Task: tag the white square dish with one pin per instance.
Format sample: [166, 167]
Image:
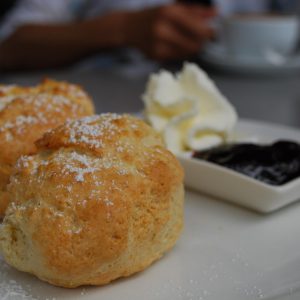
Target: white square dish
[240, 189]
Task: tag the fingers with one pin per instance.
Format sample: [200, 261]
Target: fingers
[170, 32]
[192, 20]
[167, 52]
[199, 11]
[166, 33]
[171, 44]
[177, 35]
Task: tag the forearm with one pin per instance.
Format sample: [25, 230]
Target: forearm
[163, 33]
[42, 46]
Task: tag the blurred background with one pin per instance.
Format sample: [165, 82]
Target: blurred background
[5, 6]
[248, 47]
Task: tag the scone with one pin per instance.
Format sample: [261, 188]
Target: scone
[26, 113]
[101, 199]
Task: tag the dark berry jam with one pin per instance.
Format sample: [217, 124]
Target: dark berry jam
[273, 164]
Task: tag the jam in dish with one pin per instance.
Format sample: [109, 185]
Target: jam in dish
[274, 164]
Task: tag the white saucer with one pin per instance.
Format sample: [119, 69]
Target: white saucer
[216, 55]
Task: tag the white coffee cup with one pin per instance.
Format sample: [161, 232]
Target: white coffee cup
[255, 35]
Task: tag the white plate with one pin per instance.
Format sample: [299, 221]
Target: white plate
[217, 56]
[224, 253]
[243, 190]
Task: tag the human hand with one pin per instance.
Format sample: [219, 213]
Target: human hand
[175, 31]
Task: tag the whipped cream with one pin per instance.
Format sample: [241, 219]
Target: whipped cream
[188, 110]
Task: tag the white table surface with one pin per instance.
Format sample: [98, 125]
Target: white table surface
[274, 99]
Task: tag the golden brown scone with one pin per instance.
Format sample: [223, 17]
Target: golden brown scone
[26, 113]
[101, 199]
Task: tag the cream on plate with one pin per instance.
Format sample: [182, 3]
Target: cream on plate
[188, 110]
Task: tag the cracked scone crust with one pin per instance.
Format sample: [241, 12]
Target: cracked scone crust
[101, 199]
[26, 113]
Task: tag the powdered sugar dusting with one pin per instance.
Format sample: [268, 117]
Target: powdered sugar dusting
[108, 202]
[22, 121]
[19, 123]
[7, 88]
[42, 102]
[90, 130]
[5, 100]
[23, 162]
[75, 91]
[79, 164]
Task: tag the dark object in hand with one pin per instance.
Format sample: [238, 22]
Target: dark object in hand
[207, 3]
[273, 164]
